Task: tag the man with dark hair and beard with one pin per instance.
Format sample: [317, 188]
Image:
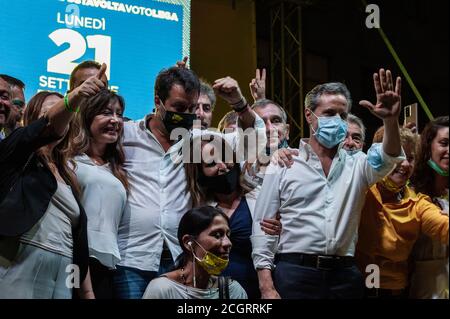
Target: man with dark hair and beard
[159, 196]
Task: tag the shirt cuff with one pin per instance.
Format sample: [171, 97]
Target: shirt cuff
[264, 249]
[379, 160]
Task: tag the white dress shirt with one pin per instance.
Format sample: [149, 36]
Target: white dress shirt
[158, 196]
[320, 214]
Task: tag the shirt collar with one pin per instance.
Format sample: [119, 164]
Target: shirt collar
[306, 151]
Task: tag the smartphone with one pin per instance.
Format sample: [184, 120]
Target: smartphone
[411, 115]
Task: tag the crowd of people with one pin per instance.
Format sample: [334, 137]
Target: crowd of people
[167, 207]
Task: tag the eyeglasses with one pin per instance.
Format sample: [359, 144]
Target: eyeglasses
[18, 103]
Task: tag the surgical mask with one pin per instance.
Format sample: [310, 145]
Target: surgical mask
[390, 185]
[353, 151]
[436, 168]
[283, 144]
[213, 264]
[331, 131]
[173, 120]
[223, 184]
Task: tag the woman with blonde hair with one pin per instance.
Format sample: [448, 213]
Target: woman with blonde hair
[392, 219]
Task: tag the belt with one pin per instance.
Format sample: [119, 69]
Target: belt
[317, 261]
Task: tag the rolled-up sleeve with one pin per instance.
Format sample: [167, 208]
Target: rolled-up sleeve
[267, 205]
[378, 164]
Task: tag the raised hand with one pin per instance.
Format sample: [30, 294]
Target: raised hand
[388, 103]
[92, 85]
[182, 64]
[258, 85]
[228, 89]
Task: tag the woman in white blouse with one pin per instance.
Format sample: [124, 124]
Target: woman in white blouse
[98, 159]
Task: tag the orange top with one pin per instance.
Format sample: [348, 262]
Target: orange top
[388, 232]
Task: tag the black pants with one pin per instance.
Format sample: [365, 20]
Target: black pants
[294, 281]
[102, 279]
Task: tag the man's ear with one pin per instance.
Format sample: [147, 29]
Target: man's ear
[308, 115]
[157, 100]
[288, 127]
[158, 103]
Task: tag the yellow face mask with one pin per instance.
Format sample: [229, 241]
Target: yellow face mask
[390, 185]
[213, 264]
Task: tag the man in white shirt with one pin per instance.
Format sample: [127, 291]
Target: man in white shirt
[320, 198]
[158, 197]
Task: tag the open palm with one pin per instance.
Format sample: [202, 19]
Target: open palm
[388, 103]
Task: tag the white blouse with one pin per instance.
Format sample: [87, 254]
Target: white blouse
[103, 198]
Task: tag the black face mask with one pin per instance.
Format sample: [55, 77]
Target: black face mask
[173, 120]
[223, 184]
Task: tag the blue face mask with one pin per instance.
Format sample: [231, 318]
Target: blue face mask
[331, 131]
[353, 152]
[283, 144]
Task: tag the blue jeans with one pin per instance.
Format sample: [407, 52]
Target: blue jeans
[293, 281]
[130, 283]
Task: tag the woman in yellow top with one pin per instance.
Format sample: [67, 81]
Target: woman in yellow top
[392, 220]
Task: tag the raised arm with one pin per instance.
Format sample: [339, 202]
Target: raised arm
[258, 85]
[62, 112]
[228, 89]
[387, 108]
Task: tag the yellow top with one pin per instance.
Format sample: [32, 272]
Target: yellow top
[388, 231]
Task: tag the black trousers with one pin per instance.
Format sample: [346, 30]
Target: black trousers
[293, 281]
[102, 279]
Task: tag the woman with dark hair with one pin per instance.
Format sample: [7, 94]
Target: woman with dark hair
[203, 234]
[216, 181]
[98, 154]
[430, 269]
[43, 242]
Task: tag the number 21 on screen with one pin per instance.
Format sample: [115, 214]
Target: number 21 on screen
[63, 61]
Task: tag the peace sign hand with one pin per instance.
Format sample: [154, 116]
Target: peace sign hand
[258, 85]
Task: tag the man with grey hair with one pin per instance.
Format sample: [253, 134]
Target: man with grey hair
[17, 101]
[356, 135]
[205, 105]
[275, 119]
[320, 198]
